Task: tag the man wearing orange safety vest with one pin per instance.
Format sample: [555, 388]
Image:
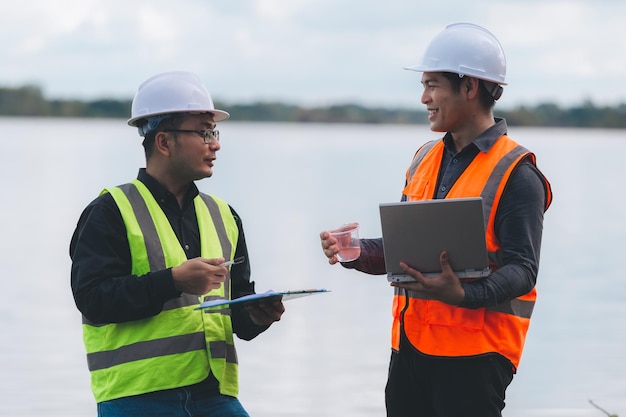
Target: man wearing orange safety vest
[457, 344]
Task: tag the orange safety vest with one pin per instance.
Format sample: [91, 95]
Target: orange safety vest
[439, 329]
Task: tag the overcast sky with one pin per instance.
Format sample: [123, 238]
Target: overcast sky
[308, 52]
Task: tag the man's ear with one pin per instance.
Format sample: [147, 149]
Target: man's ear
[162, 143]
[472, 86]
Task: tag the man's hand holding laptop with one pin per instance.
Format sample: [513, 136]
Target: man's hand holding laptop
[445, 287]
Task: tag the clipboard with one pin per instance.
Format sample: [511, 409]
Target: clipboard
[286, 295]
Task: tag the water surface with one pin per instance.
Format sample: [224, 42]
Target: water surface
[329, 354]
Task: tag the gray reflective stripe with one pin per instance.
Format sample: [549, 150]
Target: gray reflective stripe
[185, 300]
[222, 350]
[156, 257]
[419, 157]
[490, 189]
[218, 222]
[515, 307]
[154, 249]
[224, 310]
[212, 298]
[146, 350]
[495, 178]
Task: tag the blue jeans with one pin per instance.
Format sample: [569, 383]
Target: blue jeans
[180, 402]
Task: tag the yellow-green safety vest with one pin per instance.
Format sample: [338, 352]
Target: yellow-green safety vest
[180, 345]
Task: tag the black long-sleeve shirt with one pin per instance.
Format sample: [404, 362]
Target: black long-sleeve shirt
[104, 289]
[518, 225]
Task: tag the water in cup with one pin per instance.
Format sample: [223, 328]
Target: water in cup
[347, 241]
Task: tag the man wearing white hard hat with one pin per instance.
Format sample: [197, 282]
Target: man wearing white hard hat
[457, 344]
[147, 253]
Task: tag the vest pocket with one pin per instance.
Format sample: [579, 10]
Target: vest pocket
[416, 189]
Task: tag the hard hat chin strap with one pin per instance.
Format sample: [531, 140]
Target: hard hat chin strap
[494, 89]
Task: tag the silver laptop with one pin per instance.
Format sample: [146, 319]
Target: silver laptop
[417, 232]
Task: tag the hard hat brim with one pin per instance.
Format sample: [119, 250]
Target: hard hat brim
[218, 115]
[423, 68]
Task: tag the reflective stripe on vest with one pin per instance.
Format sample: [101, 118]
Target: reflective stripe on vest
[178, 346]
[436, 328]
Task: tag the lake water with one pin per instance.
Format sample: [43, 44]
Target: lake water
[329, 354]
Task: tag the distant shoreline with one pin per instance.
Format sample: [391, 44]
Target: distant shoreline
[29, 101]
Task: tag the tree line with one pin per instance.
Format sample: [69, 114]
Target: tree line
[30, 101]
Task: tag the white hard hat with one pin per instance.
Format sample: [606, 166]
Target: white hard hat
[173, 92]
[465, 49]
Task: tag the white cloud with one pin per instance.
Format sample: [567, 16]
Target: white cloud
[158, 32]
[306, 51]
[278, 11]
[36, 26]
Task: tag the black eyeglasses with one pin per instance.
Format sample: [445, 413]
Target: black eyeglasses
[208, 135]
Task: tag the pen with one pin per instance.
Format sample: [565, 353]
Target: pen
[233, 261]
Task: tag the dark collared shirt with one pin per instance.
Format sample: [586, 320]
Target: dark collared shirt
[518, 225]
[104, 289]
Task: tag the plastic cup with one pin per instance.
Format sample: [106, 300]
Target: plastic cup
[348, 242]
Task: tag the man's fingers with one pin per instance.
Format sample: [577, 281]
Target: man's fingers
[210, 261]
[266, 312]
[408, 269]
[445, 262]
[417, 275]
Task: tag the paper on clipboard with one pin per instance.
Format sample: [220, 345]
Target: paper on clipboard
[286, 295]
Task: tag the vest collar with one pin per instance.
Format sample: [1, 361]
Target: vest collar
[161, 193]
[485, 140]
